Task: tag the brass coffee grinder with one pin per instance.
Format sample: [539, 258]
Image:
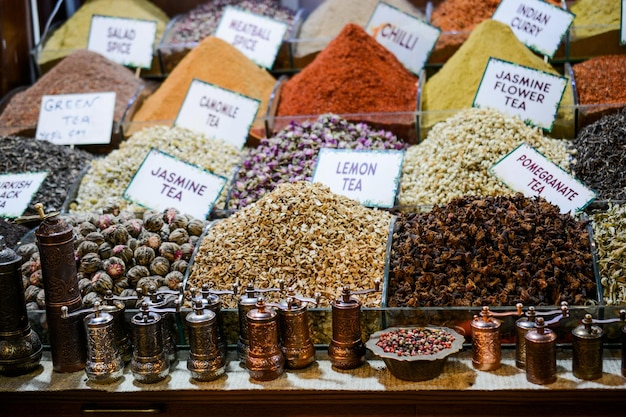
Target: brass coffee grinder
[265, 360]
[526, 324]
[295, 338]
[587, 346]
[206, 360]
[211, 300]
[20, 347]
[486, 344]
[104, 363]
[541, 352]
[346, 349]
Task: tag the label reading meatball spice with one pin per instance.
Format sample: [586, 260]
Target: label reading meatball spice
[534, 96]
[217, 112]
[527, 171]
[369, 177]
[410, 39]
[164, 181]
[17, 190]
[537, 24]
[128, 42]
[258, 37]
[76, 119]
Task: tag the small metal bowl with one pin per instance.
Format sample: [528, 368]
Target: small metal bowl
[419, 367]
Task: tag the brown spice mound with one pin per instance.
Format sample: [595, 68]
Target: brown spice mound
[353, 74]
[490, 251]
[81, 72]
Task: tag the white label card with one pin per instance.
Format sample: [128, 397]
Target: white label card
[622, 20]
[370, 177]
[539, 25]
[76, 119]
[410, 39]
[128, 42]
[534, 96]
[258, 37]
[163, 181]
[527, 171]
[217, 112]
[17, 190]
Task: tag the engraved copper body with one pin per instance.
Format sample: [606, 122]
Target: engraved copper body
[587, 347]
[486, 344]
[295, 338]
[149, 363]
[20, 347]
[206, 361]
[265, 360]
[55, 240]
[115, 306]
[213, 302]
[528, 323]
[104, 364]
[346, 349]
[541, 354]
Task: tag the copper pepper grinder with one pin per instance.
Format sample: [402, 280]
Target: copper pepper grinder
[206, 361]
[265, 360]
[346, 349]
[104, 363]
[587, 347]
[165, 299]
[213, 302]
[246, 303]
[115, 306]
[541, 352]
[526, 324]
[486, 344]
[20, 347]
[55, 240]
[293, 323]
[150, 362]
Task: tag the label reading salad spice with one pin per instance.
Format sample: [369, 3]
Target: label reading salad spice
[128, 42]
[410, 39]
[258, 37]
[370, 177]
[164, 181]
[539, 25]
[17, 190]
[527, 171]
[217, 112]
[76, 119]
[532, 95]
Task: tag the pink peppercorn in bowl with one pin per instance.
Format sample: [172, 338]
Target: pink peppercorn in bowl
[415, 353]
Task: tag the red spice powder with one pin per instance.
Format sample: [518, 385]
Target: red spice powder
[353, 74]
[601, 80]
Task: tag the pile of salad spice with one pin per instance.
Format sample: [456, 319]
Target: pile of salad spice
[600, 156]
[457, 19]
[216, 62]
[353, 74]
[104, 184]
[12, 232]
[609, 234]
[302, 233]
[80, 72]
[600, 80]
[328, 19]
[454, 86]
[454, 160]
[291, 154]
[63, 164]
[495, 251]
[74, 33]
[594, 17]
[186, 30]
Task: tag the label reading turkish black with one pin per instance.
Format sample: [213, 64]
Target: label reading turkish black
[17, 190]
[163, 181]
[532, 95]
[128, 42]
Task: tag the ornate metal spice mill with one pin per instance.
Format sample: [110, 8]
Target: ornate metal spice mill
[541, 352]
[295, 338]
[265, 360]
[486, 345]
[346, 349]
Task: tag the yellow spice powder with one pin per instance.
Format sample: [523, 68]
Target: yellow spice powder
[74, 33]
[216, 62]
[594, 17]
